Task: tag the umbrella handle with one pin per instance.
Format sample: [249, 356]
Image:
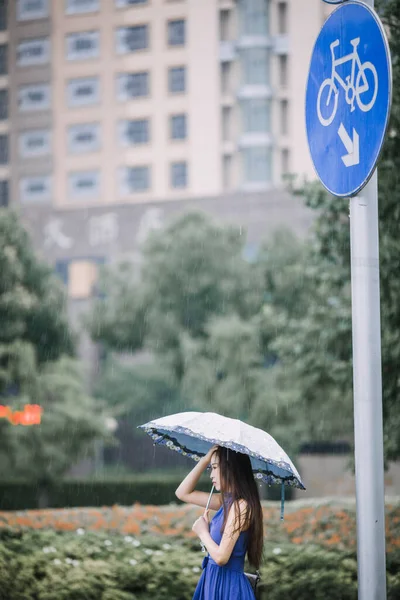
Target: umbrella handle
[209, 498]
[203, 548]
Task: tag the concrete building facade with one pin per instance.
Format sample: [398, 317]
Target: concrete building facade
[123, 107]
[115, 101]
[4, 104]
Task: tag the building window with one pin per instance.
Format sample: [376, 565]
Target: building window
[79, 7]
[133, 132]
[34, 97]
[257, 164]
[83, 138]
[3, 105]
[256, 115]
[282, 18]
[177, 80]
[3, 15]
[36, 142]
[253, 17]
[28, 10]
[225, 21]
[285, 162]
[178, 127]
[84, 185]
[255, 66]
[227, 172]
[82, 277]
[132, 85]
[131, 39]
[176, 32]
[33, 52]
[84, 91]
[3, 59]
[226, 78]
[135, 180]
[4, 193]
[283, 70]
[35, 189]
[123, 3]
[284, 117]
[83, 45]
[226, 123]
[3, 149]
[179, 174]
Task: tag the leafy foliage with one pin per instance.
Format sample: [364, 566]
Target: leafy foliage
[37, 365]
[48, 566]
[315, 347]
[270, 341]
[71, 420]
[193, 271]
[389, 248]
[138, 391]
[200, 297]
[32, 305]
[316, 350]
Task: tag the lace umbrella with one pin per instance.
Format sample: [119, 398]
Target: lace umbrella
[193, 433]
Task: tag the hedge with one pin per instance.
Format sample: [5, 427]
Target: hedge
[145, 489]
[49, 565]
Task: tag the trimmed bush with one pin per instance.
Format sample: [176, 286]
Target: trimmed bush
[305, 572]
[17, 495]
[49, 565]
[145, 489]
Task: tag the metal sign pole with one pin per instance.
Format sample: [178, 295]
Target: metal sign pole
[367, 384]
[348, 100]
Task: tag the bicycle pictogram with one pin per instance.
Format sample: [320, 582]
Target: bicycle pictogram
[355, 85]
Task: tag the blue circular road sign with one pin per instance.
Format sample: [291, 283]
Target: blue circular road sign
[348, 98]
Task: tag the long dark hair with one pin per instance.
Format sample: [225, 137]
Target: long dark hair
[237, 479]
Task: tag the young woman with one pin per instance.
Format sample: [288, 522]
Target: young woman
[235, 529]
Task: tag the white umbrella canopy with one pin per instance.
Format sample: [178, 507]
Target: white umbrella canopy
[193, 433]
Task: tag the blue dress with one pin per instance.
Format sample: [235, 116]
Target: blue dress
[227, 582]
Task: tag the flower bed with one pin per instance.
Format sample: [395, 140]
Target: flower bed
[331, 525]
[99, 565]
[150, 553]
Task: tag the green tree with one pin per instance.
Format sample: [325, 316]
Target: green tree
[32, 304]
[389, 248]
[37, 366]
[191, 271]
[141, 392]
[118, 319]
[136, 393]
[224, 371]
[71, 421]
[316, 350]
[314, 343]
[202, 319]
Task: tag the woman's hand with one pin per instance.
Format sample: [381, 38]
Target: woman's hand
[209, 454]
[201, 525]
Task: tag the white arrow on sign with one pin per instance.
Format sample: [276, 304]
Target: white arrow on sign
[352, 146]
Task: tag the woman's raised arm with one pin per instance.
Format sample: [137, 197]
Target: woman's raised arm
[186, 490]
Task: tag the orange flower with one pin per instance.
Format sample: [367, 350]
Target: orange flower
[297, 540]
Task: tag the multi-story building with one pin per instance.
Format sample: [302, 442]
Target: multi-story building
[116, 113]
[4, 113]
[116, 101]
